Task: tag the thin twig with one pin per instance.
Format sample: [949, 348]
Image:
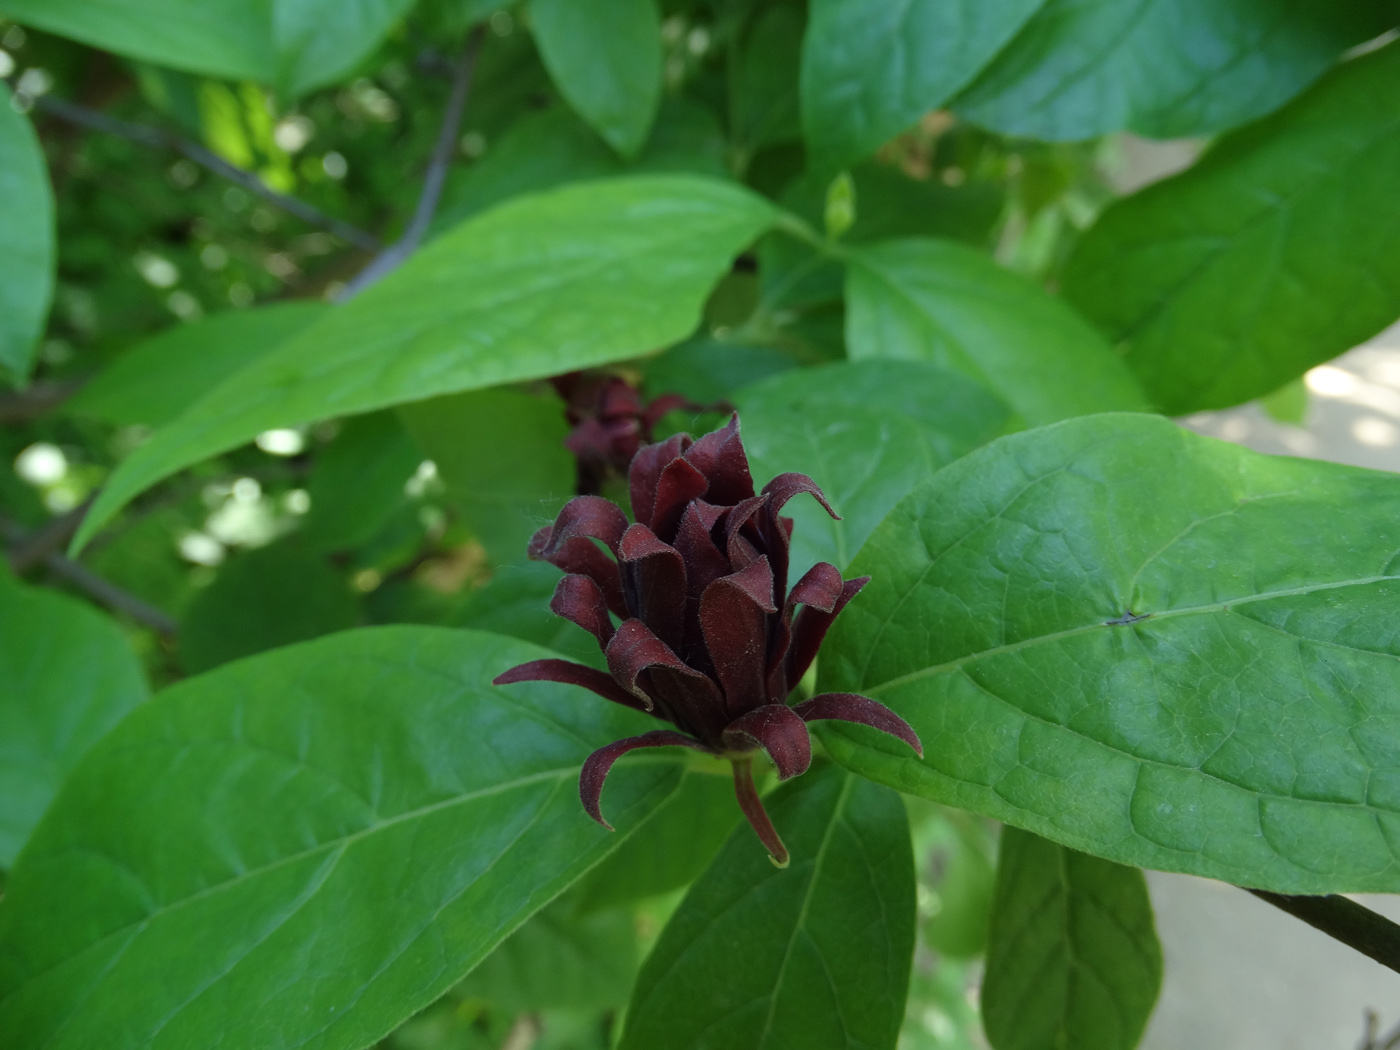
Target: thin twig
[27, 552]
[104, 590]
[156, 138]
[27, 405]
[1342, 919]
[392, 257]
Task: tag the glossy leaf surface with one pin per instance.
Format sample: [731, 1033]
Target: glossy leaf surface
[1165, 69]
[605, 58]
[156, 380]
[540, 285]
[319, 40]
[929, 300]
[1273, 254]
[869, 72]
[67, 676]
[1144, 644]
[27, 248]
[336, 831]
[1072, 957]
[867, 432]
[815, 955]
[357, 484]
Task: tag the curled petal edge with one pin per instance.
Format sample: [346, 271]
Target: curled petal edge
[597, 766]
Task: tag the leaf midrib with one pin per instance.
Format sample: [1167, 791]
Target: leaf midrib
[1056, 636]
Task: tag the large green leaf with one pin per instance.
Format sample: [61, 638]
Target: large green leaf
[868, 72]
[930, 300]
[1164, 68]
[223, 38]
[764, 103]
[1072, 957]
[357, 484]
[156, 380]
[1274, 253]
[67, 675]
[275, 596]
[867, 432]
[502, 455]
[547, 149]
[669, 850]
[583, 275]
[815, 955]
[26, 240]
[1147, 645]
[605, 58]
[319, 40]
[304, 848]
[297, 44]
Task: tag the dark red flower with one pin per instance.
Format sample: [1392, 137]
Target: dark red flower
[710, 638]
[610, 423]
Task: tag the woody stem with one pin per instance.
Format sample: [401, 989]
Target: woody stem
[752, 806]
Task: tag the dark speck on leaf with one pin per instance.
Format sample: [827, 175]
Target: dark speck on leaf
[1127, 617]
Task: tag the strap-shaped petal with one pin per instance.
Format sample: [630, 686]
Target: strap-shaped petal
[820, 588]
[810, 627]
[852, 707]
[658, 407]
[780, 731]
[679, 485]
[720, 456]
[644, 474]
[597, 765]
[634, 649]
[785, 486]
[654, 583]
[579, 599]
[757, 816]
[584, 557]
[570, 673]
[740, 549]
[704, 563]
[590, 517]
[735, 615]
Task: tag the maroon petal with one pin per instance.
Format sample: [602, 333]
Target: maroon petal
[719, 455]
[679, 485]
[589, 440]
[735, 616]
[653, 581]
[645, 473]
[704, 563]
[851, 707]
[780, 731]
[740, 548]
[586, 558]
[785, 486]
[810, 627]
[660, 406]
[635, 649]
[570, 673]
[820, 588]
[590, 517]
[580, 599]
[597, 766]
[617, 398]
[753, 809]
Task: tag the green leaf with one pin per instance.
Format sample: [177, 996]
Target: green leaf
[765, 81]
[516, 602]
[1273, 254]
[1073, 958]
[560, 960]
[1165, 69]
[274, 596]
[1144, 644]
[815, 955]
[156, 380]
[27, 249]
[67, 675]
[357, 482]
[221, 38]
[544, 284]
[502, 455]
[669, 850]
[922, 299]
[870, 72]
[605, 58]
[544, 150]
[307, 847]
[867, 432]
[707, 370]
[318, 41]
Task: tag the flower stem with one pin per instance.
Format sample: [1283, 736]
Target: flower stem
[752, 806]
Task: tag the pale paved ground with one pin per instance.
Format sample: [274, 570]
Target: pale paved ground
[1240, 974]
